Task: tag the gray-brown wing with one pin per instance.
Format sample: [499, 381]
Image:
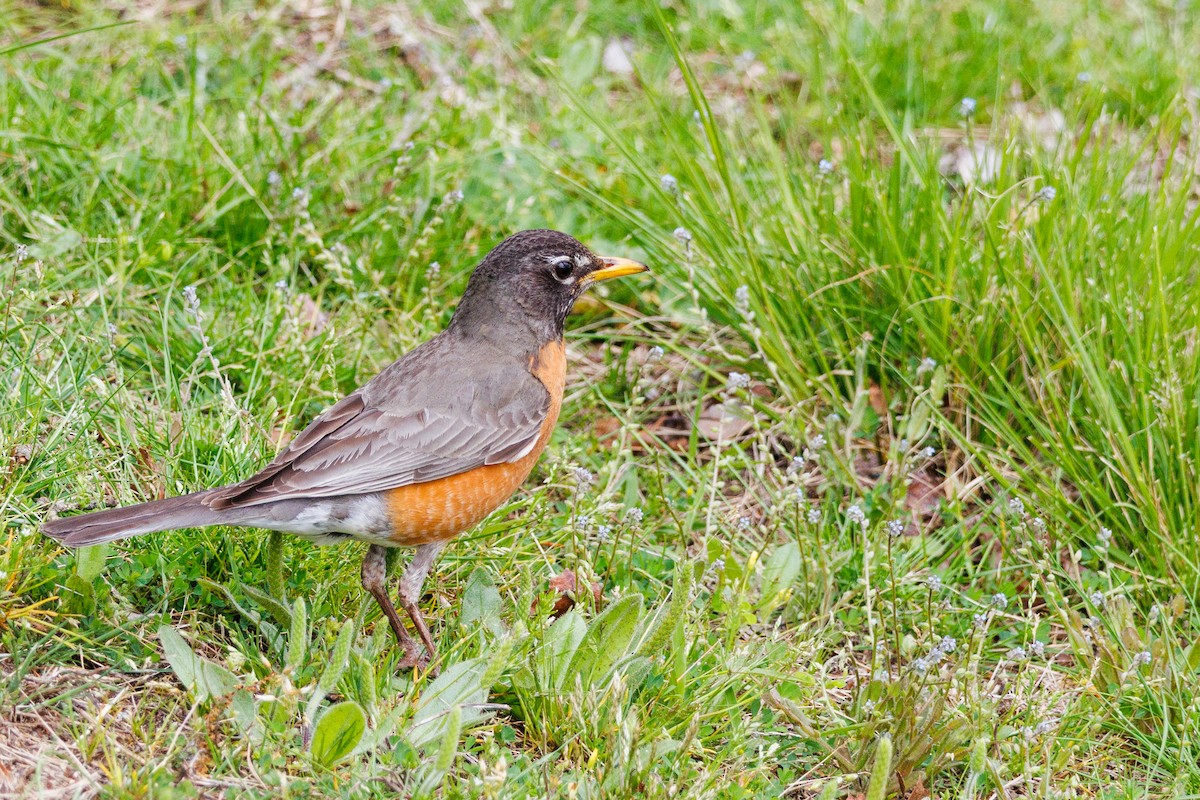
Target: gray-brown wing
[428, 416]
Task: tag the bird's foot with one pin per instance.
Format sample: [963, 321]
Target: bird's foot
[416, 657]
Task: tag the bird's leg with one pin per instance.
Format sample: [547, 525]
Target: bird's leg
[411, 583]
[374, 580]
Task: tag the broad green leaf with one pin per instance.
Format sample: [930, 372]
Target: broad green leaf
[84, 600]
[338, 732]
[554, 654]
[606, 641]
[581, 60]
[458, 685]
[481, 604]
[780, 571]
[245, 715]
[89, 561]
[203, 678]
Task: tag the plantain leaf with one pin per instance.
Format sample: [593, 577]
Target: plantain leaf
[481, 604]
[780, 571]
[606, 642]
[459, 686]
[203, 678]
[551, 659]
[338, 732]
[89, 561]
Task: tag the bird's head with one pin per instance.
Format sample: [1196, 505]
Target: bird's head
[534, 277]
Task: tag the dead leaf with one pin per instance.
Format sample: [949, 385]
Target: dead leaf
[725, 421]
[310, 316]
[878, 403]
[924, 492]
[564, 583]
[605, 427]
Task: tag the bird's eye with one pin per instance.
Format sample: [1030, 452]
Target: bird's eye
[563, 267]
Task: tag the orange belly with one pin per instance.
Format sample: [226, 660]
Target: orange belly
[437, 510]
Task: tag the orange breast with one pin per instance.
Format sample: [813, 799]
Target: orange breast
[441, 509]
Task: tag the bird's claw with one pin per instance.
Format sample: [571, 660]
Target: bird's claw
[416, 657]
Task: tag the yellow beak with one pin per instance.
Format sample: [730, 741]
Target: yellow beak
[616, 267]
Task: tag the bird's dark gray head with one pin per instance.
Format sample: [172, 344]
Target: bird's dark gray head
[528, 283]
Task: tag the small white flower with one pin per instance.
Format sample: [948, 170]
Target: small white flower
[736, 381]
[180, 41]
[22, 252]
[1016, 654]
[948, 644]
[1000, 600]
[1047, 193]
[281, 285]
[635, 516]
[856, 515]
[745, 523]
[1042, 728]
[669, 184]
[934, 583]
[1016, 507]
[583, 522]
[273, 178]
[655, 353]
[718, 565]
[191, 301]
[928, 452]
[824, 167]
[921, 665]
[682, 235]
[979, 621]
[432, 271]
[967, 107]
[741, 299]
[1097, 599]
[1141, 659]
[1038, 647]
[454, 196]
[1084, 77]
[813, 515]
[603, 532]
[868, 707]
[882, 675]
[1039, 524]
[1105, 536]
[894, 527]
[816, 442]
[583, 478]
[926, 365]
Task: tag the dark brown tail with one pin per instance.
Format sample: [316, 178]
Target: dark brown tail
[188, 511]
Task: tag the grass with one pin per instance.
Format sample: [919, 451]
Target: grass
[940, 540]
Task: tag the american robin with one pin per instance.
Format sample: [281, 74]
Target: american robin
[427, 448]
